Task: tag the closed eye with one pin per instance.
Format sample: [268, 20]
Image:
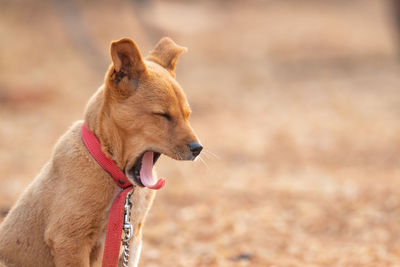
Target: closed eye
[165, 115]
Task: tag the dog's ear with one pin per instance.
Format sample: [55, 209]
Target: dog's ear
[127, 59]
[166, 54]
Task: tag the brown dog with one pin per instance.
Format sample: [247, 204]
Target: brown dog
[141, 110]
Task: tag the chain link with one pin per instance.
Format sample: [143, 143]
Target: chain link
[128, 229]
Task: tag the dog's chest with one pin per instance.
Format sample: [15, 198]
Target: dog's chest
[142, 199]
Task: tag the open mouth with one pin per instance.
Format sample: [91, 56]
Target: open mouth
[142, 171]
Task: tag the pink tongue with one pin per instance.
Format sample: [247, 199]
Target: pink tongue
[146, 172]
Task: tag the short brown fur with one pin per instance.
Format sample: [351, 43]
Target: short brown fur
[60, 219]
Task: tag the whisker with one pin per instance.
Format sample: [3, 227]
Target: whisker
[208, 152]
[207, 156]
[204, 162]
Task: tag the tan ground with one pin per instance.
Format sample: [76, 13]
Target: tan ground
[296, 102]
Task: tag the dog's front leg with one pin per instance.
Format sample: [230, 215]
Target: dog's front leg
[135, 252]
[135, 248]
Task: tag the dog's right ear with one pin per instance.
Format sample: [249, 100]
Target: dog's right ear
[127, 59]
[166, 54]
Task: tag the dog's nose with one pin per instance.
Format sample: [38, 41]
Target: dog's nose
[195, 148]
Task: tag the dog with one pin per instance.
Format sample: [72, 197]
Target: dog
[140, 112]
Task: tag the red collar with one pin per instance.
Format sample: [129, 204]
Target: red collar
[115, 217]
[94, 147]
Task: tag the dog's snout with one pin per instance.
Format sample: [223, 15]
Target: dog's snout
[195, 148]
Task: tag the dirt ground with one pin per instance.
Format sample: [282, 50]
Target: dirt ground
[296, 102]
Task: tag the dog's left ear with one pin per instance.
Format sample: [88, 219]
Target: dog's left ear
[166, 54]
[127, 59]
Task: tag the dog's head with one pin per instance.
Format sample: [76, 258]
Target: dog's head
[147, 107]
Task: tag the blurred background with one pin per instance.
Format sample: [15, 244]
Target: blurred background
[296, 102]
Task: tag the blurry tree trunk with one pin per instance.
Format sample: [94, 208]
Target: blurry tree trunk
[396, 18]
[141, 9]
[79, 35]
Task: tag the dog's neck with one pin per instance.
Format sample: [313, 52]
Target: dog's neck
[98, 120]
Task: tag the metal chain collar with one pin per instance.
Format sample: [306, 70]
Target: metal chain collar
[128, 229]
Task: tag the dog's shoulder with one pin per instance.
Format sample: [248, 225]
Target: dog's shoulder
[70, 145]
